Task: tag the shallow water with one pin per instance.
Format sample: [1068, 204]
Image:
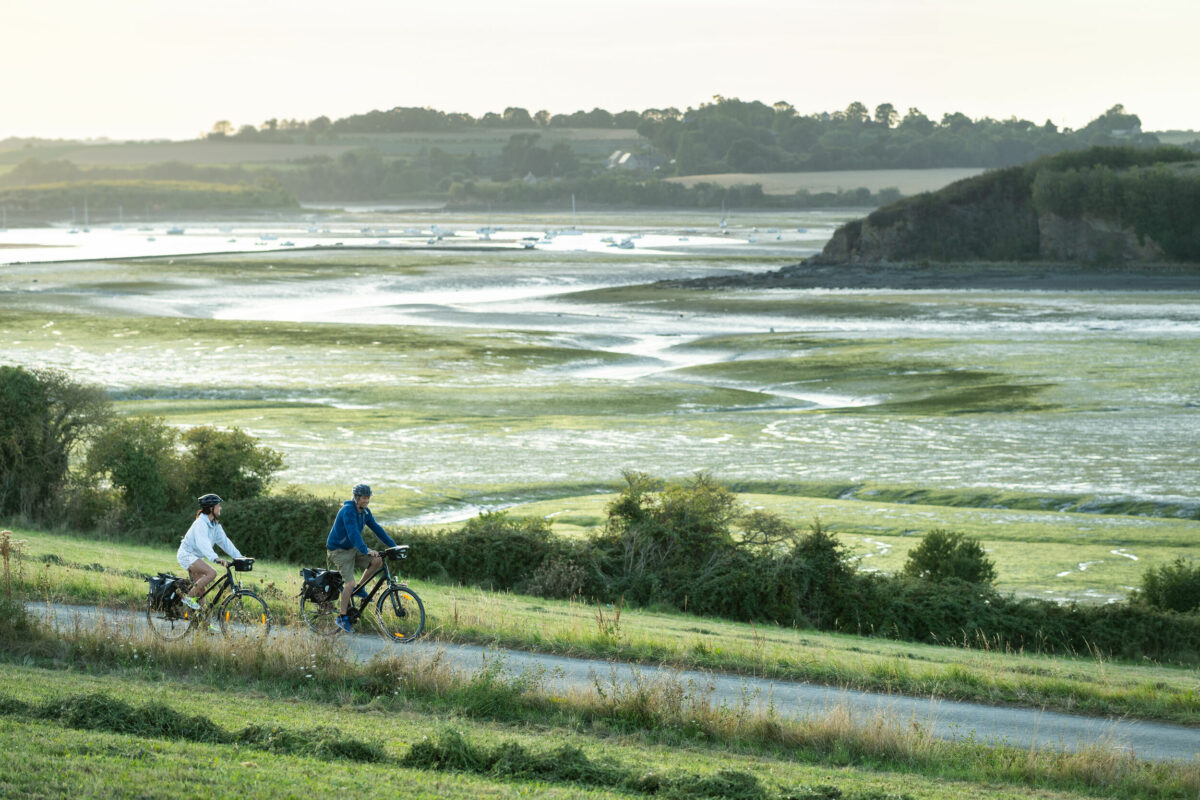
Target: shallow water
[527, 379]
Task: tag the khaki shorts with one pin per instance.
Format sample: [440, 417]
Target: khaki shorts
[345, 562]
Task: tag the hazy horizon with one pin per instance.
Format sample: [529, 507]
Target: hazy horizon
[139, 69]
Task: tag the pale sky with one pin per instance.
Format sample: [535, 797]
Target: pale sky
[169, 69]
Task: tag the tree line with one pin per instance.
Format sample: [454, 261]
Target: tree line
[727, 135]
[732, 135]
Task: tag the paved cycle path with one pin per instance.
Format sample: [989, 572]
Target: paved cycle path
[946, 719]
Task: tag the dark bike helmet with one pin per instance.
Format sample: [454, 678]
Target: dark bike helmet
[208, 501]
[362, 490]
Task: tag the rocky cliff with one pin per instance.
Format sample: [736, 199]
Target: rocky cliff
[1105, 205]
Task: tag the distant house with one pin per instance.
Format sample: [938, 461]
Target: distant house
[625, 160]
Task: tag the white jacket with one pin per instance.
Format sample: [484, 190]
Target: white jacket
[200, 540]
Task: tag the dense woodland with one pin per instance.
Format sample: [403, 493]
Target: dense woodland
[524, 164]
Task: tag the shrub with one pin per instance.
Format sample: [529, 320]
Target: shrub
[661, 539]
[138, 456]
[561, 576]
[944, 555]
[229, 463]
[44, 414]
[290, 526]
[492, 550]
[157, 471]
[1173, 587]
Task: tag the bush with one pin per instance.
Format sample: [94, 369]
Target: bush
[1173, 587]
[944, 555]
[157, 470]
[138, 456]
[44, 414]
[291, 526]
[229, 463]
[492, 550]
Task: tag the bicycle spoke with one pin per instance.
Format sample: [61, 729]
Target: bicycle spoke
[244, 615]
[174, 622]
[321, 616]
[398, 615]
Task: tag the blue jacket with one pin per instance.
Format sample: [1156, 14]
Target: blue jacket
[348, 526]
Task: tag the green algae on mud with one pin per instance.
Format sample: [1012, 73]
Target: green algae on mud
[455, 401]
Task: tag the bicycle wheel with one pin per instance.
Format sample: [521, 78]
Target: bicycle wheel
[245, 615]
[398, 615]
[173, 623]
[321, 617]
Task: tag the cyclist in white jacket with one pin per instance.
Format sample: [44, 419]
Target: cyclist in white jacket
[198, 543]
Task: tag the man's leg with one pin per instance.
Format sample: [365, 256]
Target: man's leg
[371, 569]
[343, 562]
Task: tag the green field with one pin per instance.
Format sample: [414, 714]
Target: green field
[587, 142]
[908, 181]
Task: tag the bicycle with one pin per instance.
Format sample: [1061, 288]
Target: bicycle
[398, 615]
[242, 614]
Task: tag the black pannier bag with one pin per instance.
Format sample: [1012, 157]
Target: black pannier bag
[162, 591]
[321, 585]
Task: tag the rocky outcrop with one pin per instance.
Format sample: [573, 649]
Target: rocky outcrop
[1092, 240]
[1105, 206]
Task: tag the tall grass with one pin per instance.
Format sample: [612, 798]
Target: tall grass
[110, 574]
[666, 710]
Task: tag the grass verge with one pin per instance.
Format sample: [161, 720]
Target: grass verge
[110, 574]
[506, 731]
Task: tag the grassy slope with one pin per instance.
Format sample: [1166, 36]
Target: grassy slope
[107, 572]
[46, 758]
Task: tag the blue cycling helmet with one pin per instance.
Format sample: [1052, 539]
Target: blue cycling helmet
[362, 490]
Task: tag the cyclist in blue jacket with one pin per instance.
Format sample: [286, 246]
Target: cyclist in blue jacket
[346, 550]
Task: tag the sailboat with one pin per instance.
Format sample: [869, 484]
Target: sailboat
[571, 231]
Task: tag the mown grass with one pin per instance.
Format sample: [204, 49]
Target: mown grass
[254, 717]
[58, 568]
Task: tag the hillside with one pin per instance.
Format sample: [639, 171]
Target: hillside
[1103, 205]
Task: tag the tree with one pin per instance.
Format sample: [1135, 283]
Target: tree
[956, 121]
[138, 457]
[856, 112]
[886, 115]
[517, 118]
[44, 415]
[916, 122]
[784, 109]
[221, 128]
[945, 555]
[229, 463]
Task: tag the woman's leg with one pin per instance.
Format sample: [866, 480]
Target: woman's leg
[202, 575]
